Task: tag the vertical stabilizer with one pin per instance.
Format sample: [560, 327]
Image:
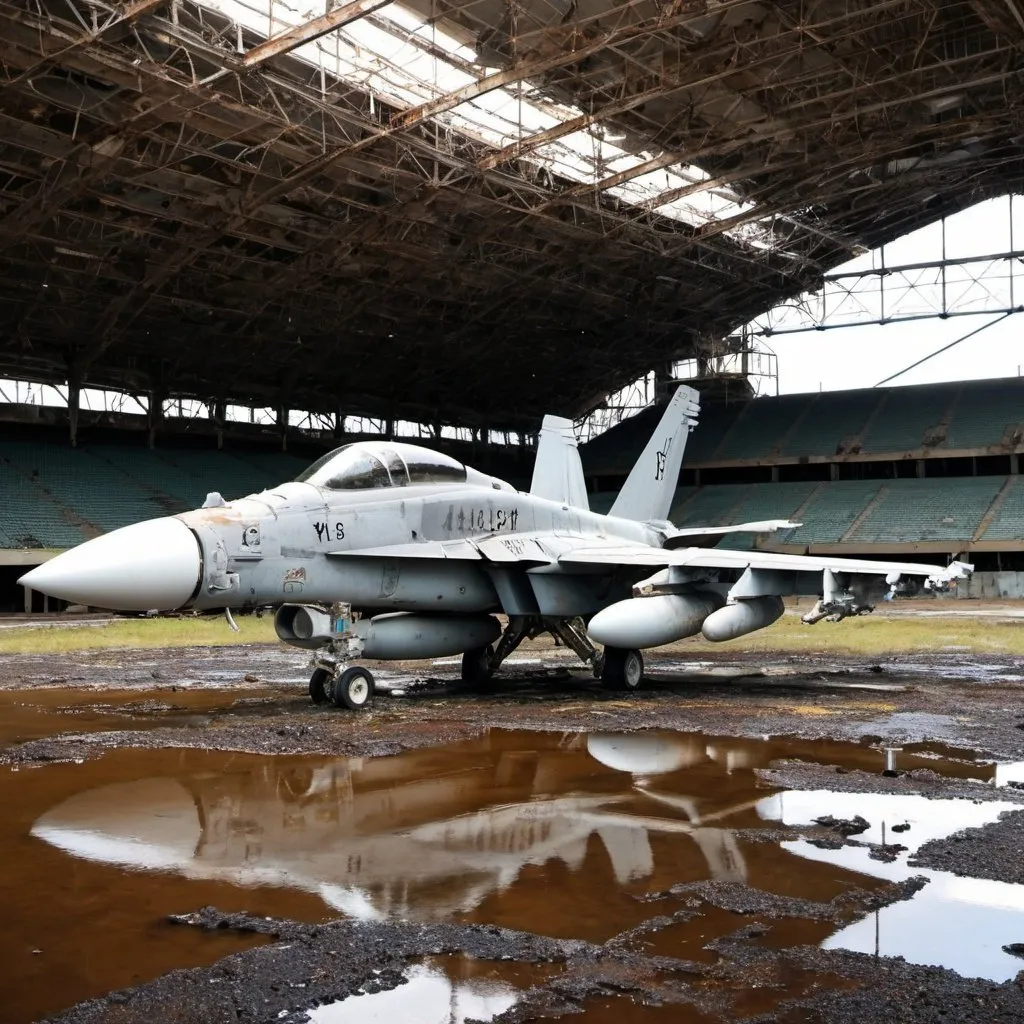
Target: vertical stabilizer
[648, 491]
[557, 471]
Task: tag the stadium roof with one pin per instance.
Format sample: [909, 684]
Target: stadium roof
[465, 211]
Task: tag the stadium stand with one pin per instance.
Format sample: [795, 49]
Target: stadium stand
[869, 471]
[914, 511]
[715, 422]
[929, 470]
[758, 428]
[707, 506]
[1005, 520]
[829, 512]
[933, 420]
[985, 415]
[829, 424]
[29, 518]
[764, 501]
[910, 418]
[86, 492]
[273, 467]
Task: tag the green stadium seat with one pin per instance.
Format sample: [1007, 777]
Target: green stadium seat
[906, 417]
[1008, 521]
[984, 411]
[928, 510]
[759, 428]
[832, 419]
[831, 511]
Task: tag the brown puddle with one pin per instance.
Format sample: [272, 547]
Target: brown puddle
[552, 833]
[53, 711]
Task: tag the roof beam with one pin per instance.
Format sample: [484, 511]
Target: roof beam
[128, 13]
[1015, 11]
[574, 124]
[310, 30]
[647, 167]
[675, 194]
[531, 68]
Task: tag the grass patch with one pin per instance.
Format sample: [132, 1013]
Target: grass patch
[879, 635]
[868, 636]
[136, 633]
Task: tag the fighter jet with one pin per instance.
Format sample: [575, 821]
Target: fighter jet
[386, 550]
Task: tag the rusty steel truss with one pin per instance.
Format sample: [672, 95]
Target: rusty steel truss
[472, 211]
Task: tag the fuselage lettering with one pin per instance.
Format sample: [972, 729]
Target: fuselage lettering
[328, 532]
[489, 520]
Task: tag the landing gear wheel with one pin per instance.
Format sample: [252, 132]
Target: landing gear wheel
[478, 666]
[353, 689]
[318, 686]
[622, 669]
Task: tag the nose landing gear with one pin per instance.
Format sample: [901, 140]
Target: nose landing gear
[349, 687]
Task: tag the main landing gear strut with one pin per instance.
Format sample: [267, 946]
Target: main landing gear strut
[337, 681]
[617, 668]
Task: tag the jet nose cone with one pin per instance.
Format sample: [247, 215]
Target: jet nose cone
[155, 564]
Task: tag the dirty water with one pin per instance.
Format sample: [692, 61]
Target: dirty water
[567, 834]
[55, 711]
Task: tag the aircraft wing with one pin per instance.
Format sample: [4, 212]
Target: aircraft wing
[718, 558]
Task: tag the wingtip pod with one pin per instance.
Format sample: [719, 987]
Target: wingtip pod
[953, 572]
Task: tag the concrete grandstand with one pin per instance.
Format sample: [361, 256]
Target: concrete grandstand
[930, 469]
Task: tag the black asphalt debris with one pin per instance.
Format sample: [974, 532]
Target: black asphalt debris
[993, 851]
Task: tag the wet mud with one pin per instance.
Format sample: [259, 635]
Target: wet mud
[993, 851]
[786, 841]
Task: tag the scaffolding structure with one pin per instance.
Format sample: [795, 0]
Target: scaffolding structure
[884, 288]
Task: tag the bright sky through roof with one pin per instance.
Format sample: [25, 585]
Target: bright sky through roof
[387, 55]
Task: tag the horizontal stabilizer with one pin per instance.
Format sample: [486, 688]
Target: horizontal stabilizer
[557, 470]
[707, 536]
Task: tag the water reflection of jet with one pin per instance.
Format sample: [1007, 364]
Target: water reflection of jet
[423, 834]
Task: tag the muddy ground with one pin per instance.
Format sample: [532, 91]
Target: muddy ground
[687, 943]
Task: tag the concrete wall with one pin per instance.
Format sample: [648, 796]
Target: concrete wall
[991, 585]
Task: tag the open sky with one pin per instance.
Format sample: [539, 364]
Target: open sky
[856, 357]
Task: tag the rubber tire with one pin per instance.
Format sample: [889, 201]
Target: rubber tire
[354, 688]
[622, 669]
[478, 666]
[318, 681]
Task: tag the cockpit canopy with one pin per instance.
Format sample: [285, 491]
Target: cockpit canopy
[366, 465]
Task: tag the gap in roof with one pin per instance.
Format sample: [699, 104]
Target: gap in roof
[395, 66]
